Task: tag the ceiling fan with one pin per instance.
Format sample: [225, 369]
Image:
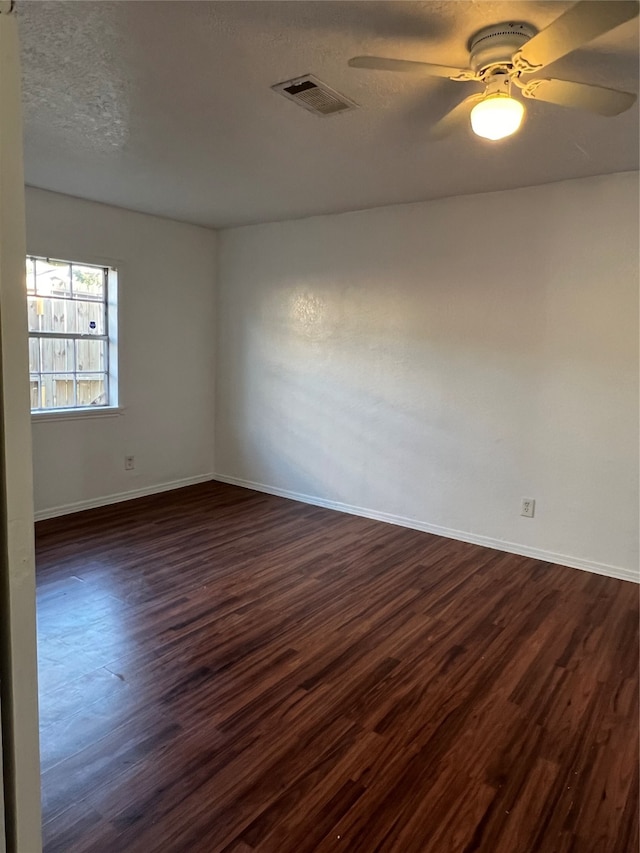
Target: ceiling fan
[505, 55]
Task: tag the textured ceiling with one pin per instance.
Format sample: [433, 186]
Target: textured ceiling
[165, 107]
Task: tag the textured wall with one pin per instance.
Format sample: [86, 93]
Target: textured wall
[166, 274]
[440, 361]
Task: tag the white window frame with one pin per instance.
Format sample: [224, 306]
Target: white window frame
[113, 408]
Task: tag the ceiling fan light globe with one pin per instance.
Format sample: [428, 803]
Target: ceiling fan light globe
[496, 117]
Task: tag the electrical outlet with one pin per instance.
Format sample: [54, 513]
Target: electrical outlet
[129, 463]
[528, 507]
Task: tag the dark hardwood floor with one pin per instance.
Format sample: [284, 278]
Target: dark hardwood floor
[223, 670]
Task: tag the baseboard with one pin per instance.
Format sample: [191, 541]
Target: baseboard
[106, 500]
[447, 532]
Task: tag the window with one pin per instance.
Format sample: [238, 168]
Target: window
[71, 308]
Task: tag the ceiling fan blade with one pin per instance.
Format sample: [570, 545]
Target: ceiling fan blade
[581, 96]
[456, 118]
[427, 69]
[582, 23]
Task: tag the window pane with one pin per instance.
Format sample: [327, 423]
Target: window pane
[35, 392]
[90, 317]
[88, 282]
[56, 355]
[51, 315]
[31, 268]
[32, 313]
[91, 390]
[57, 391]
[34, 355]
[53, 278]
[59, 316]
[90, 355]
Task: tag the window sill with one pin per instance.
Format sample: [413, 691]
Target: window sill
[77, 414]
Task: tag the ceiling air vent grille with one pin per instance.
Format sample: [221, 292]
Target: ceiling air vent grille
[314, 96]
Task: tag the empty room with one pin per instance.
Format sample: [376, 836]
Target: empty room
[319, 362]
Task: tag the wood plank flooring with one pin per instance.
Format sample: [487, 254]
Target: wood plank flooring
[224, 671]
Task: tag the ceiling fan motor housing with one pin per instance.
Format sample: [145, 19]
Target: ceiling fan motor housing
[495, 46]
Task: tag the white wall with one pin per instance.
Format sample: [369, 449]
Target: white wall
[166, 342]
[437, 362]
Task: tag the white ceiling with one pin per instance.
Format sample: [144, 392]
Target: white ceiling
[166, 107]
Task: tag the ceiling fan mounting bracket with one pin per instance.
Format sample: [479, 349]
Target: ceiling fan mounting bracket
[493, 47]
[497, 83]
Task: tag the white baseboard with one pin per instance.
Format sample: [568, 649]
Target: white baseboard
[447, 532]
[93, 503]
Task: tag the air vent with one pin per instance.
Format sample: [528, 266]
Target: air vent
[314, 96]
